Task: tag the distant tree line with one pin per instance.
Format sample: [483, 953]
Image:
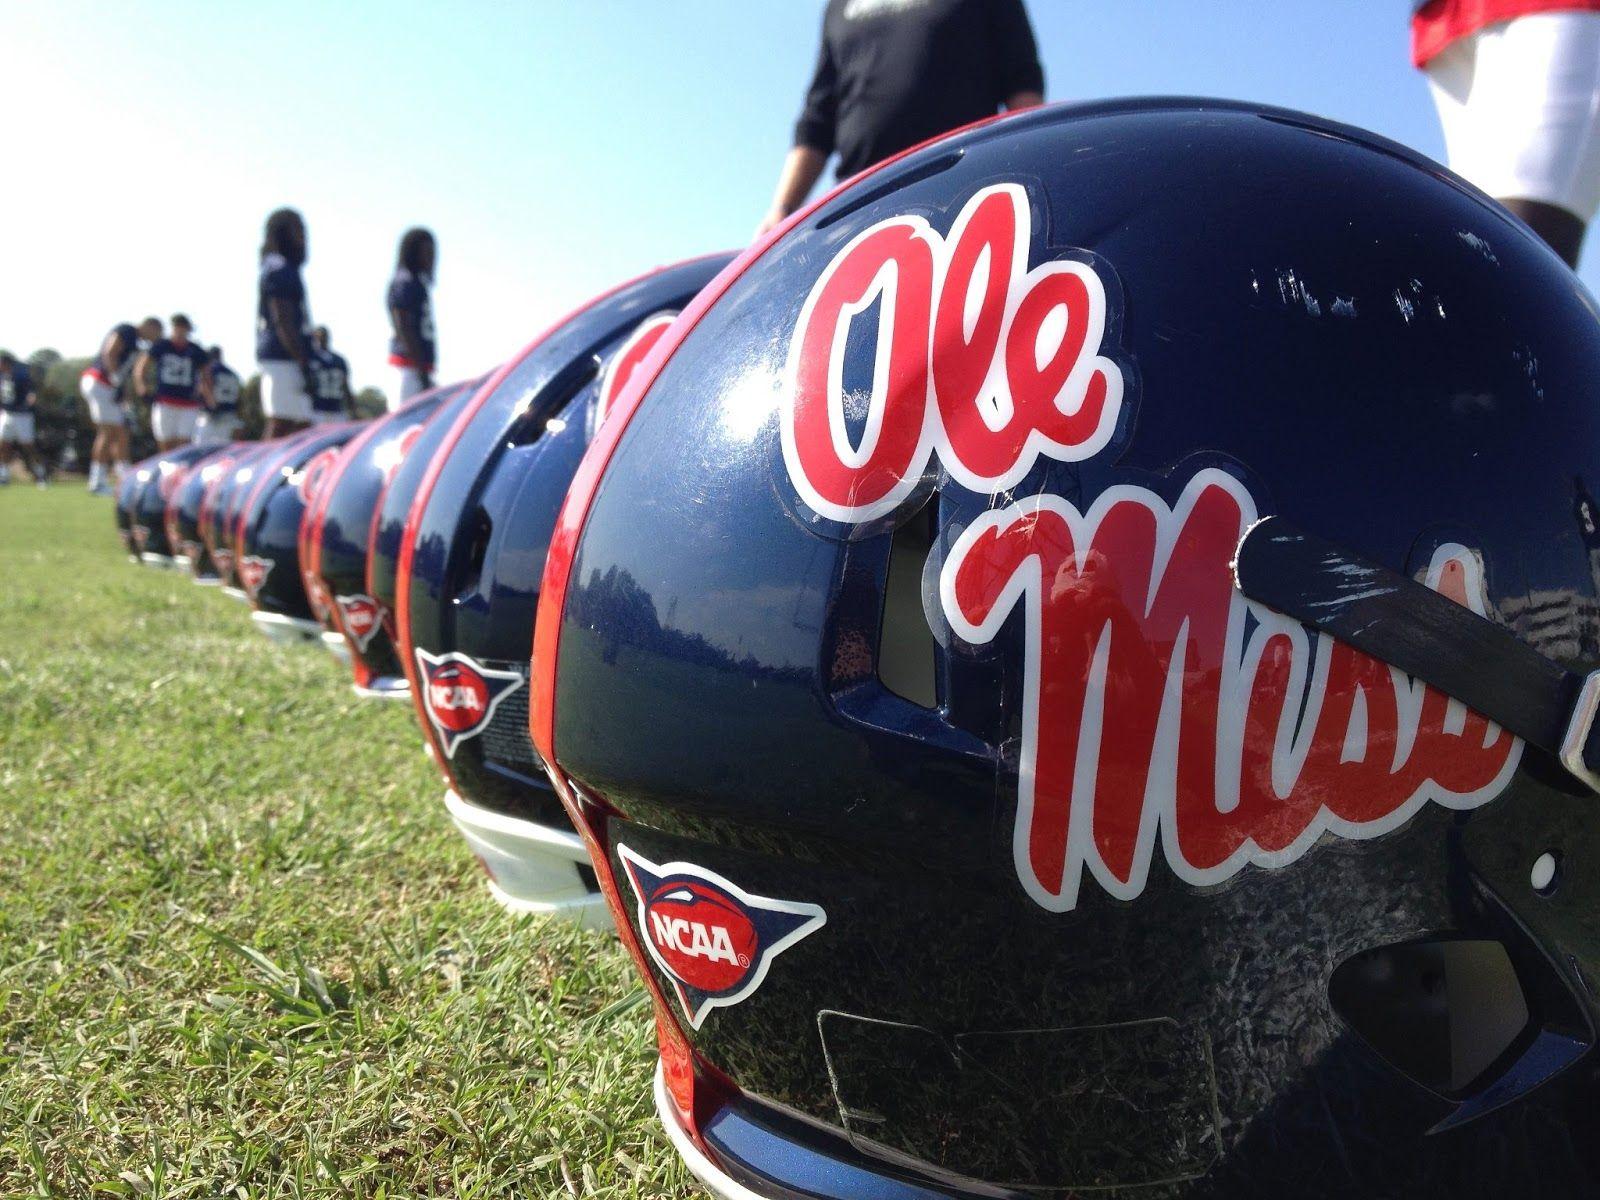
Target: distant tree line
[61, 421]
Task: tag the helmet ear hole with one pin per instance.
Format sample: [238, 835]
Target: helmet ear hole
[1442, 1011]
[907, 651]
[477, 535]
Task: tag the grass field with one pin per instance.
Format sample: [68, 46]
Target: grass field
[241, 951]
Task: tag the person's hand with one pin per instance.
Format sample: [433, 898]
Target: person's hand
[771, 221]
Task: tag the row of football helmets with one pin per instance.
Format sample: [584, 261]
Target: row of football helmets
[1063, 664]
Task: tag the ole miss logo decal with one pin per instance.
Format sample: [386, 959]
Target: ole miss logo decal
[714, 940]
[253, 572]
[460, 695]
[362, 617]
[627, 359]
[388, 457]
[1165, 718]
[312, 476]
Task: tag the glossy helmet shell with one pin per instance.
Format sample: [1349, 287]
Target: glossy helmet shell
[183, 513]
[127, 492]
[927, 626]
[181, 539]
[340, 528]
[216, 524]
[388, 529]
[148, 515]
[267, 541]
[468, 576]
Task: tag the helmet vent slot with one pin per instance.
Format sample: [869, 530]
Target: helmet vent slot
[1442, 1012]
[543, 408]
[907, 652]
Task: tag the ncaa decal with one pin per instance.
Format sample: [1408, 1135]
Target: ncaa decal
[316, 594]
[362, 617]
[714, 940]
[253, 572]
[627, 359]
[460, 695]
[1163, 714]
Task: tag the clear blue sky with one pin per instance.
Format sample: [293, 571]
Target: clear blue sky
[555, 146]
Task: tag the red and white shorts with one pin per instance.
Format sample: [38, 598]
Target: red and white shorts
[171, 422]
[101, 398]
[1520, 104]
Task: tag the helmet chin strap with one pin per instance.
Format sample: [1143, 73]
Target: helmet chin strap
[1426, 635]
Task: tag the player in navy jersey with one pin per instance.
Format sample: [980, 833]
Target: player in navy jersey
[17, 402]
[283, 326]
[330, 380]
[893, 73]
[169, 374]
[412, 349]
[219, 390]
[101, 387]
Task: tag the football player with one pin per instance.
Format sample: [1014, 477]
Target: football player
[412, 349]
[1517, 86]
[330, 380]
[17, 402]
[219, 390]
[283, 323]
[169, 373]
[101, 385]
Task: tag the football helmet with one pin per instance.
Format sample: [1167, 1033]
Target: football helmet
[388, 527]
[183, 512]
[187, 551]
[337, 532]
[219, 514]
[155, 481]
[267, 532]
[1070, 662]
[133, 479]
[480, 516]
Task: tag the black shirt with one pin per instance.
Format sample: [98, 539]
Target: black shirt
[892, 73]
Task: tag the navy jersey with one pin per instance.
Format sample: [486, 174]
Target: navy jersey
[130, 351]
[224, 390]
[330, 377]
[177, 371]
[408, 292]
[14, 389]
[279, 279]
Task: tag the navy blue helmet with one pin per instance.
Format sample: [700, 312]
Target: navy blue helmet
[1072, 665]
[155, 481]
[465, 599]
[127, 492]
[388, 530]
[267, 541]
[339, 536]
[219, 512]
[183, 511]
